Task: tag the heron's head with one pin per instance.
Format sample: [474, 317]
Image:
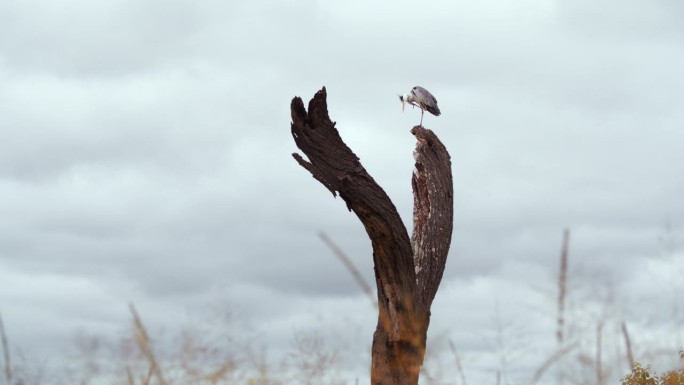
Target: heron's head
[404, 99]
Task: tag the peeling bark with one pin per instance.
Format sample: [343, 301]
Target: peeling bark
[433, 214]
[407, 272]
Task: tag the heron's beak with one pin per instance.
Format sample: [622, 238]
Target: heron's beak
[403, 102]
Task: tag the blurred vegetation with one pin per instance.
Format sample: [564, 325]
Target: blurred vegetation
[592, 346]
[645, 376]
[190, 359]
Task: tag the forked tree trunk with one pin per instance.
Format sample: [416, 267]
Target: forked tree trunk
[407, 271]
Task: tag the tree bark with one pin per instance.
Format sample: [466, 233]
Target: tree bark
[407, 271]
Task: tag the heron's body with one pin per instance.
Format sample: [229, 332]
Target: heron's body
[422, 98]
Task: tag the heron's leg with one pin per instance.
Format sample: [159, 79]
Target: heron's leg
[422, 111]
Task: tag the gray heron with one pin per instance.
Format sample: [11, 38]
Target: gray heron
[420, 97]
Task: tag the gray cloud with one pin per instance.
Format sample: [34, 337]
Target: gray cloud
[146, 157]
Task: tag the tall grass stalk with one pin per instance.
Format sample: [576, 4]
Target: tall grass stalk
[143, 341]
[5, 352]
[562, 292]
[363, 284]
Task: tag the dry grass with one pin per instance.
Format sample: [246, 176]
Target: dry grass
[194, 359]
[562, 292]
[628, 345]
[145, 345]
[353, 270]
[5, 352]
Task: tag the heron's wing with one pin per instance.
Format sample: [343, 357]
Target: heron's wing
[426, 100]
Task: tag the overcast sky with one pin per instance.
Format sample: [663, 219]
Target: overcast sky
[145, 157]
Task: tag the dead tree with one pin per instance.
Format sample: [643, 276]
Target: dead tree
[407, 271]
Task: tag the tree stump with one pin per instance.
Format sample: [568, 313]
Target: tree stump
[407, 271]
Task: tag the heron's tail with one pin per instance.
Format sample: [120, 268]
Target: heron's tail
[433, 110]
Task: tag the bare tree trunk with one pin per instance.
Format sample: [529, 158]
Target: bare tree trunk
[407, 271]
